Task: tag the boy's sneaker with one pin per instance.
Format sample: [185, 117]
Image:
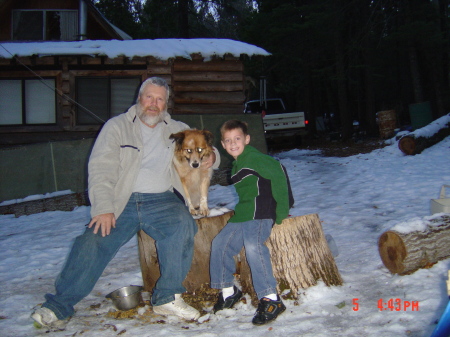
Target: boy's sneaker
[178, 307]
[268, 310]
[229, 302]
[47, 318]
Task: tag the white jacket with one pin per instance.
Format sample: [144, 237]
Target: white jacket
[116, 159]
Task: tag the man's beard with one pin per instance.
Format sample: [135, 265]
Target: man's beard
[150, 120]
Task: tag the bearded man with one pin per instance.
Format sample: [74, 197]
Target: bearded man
[132, 186]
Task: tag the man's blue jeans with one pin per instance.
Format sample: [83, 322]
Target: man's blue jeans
[163, 217]
[252, 235]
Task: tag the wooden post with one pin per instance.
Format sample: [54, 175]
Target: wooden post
[300, 257]
[404, 253]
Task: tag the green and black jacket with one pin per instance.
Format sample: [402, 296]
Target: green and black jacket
[263, 187]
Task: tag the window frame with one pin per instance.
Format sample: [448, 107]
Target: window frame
[24, 124]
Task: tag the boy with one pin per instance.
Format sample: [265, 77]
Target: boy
[265, 197]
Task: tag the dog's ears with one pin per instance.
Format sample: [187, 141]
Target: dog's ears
[209, 137]
[178, 138]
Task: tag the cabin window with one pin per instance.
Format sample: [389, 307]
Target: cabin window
[45, 25]
[101, 98]
[27, 102]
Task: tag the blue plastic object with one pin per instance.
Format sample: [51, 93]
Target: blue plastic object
[443, 327]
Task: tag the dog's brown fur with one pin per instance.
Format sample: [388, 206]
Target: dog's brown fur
[192, 147]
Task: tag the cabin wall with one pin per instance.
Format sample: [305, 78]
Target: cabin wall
[197, 87]
[215, 87]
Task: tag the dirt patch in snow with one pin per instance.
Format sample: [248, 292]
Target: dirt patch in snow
[337, 148]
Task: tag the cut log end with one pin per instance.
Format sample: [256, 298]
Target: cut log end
[392, 251]
[413, 144]
[404, 253]
[407, 145]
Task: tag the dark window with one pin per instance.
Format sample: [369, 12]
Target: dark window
[105, 97]
[38, 25]
[27, 101]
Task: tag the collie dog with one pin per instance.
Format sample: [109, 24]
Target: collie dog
[191, 147]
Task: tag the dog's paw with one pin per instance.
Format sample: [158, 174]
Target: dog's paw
[203, 211]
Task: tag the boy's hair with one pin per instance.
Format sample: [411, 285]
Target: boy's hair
[234, 124]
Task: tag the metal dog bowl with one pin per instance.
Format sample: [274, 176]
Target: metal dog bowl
[126, 298]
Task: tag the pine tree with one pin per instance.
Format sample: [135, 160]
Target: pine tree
[125, 14]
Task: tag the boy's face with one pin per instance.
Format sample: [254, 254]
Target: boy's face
[234, 141]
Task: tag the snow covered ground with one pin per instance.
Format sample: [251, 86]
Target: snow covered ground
[357, 198]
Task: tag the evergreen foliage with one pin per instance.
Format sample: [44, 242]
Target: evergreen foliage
[124, 14]
[350, 58]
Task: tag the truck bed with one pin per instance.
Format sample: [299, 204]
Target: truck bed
[283, 121]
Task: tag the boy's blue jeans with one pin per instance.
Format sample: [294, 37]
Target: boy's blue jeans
[163, 217]
[252, 235]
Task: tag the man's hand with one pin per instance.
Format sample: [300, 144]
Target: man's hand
[103, 221]
[209, 161]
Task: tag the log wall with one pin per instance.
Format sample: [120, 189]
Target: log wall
[198, 87]
[214, 87]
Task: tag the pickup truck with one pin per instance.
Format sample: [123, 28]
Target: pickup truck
[277, 121]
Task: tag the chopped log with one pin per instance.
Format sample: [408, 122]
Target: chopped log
[387, 121]
[198, 275]
[300, 257]
[404, 253]
[415, 142]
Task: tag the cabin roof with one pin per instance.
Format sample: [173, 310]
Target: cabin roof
[162, 49]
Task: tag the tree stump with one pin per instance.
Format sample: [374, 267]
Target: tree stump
[198, 275]
[300, 257]
[404, 253]
[299, 252]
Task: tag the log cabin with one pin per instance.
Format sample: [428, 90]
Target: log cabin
[65, 70]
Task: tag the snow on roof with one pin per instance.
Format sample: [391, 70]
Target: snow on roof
[162, 49]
